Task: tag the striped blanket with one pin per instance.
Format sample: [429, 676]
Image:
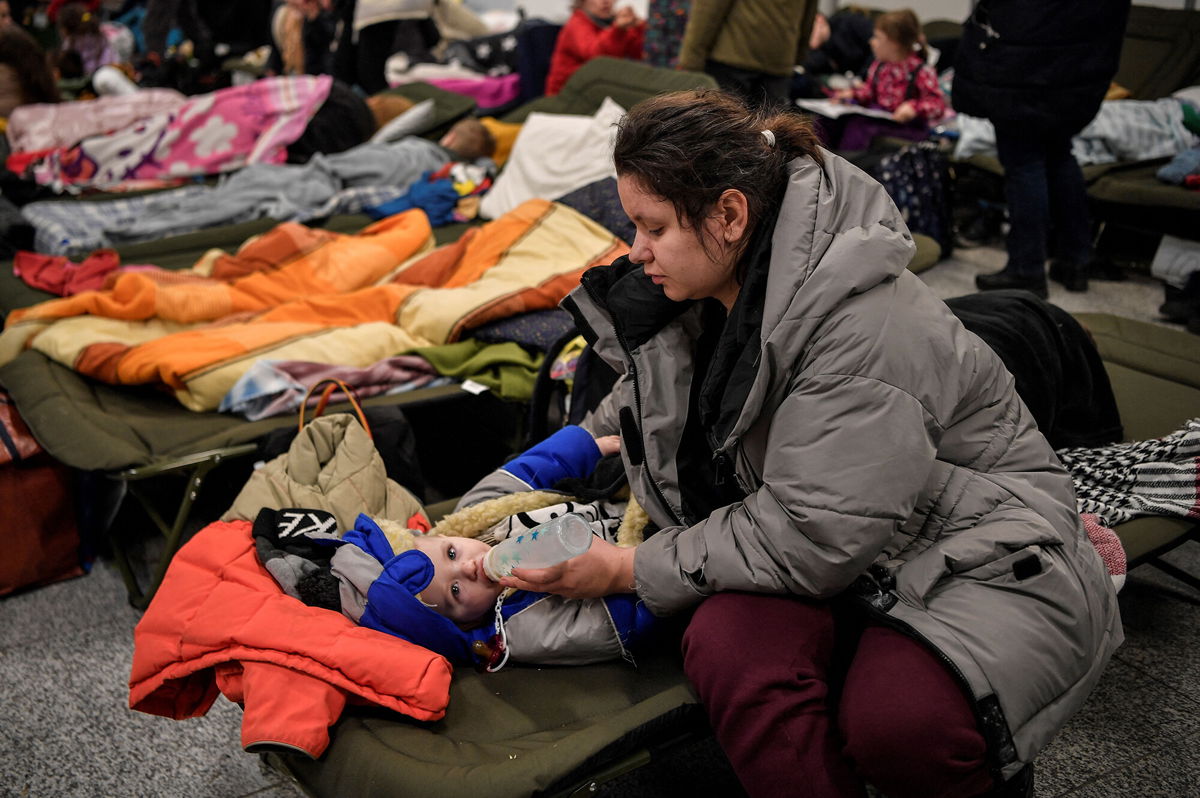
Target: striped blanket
[297, 293]
[1129, 480]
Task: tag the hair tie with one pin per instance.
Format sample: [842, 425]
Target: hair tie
[770, 137]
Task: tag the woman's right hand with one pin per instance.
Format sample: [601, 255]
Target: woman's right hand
[842, 95]
[603, 570]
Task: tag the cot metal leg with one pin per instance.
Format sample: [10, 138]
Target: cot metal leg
[1154, 558]
[197, 468]
[1173, 570]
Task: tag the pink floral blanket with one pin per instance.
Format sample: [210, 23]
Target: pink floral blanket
[43, 126]
[207, 134]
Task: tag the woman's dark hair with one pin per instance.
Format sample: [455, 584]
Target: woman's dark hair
[21, 51]
[689, 147]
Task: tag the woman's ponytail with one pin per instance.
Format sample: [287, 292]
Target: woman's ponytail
[793, 135]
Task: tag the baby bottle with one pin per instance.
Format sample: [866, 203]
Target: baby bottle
[546, 544]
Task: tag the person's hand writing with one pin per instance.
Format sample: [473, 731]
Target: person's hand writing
[905, 112]
[842, 96]
[602, 570]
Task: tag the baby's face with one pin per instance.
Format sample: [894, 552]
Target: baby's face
[460, 589]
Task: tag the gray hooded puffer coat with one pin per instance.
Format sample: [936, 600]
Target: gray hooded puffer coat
[883, 452]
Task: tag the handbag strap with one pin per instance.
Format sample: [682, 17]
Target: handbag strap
[332, 384]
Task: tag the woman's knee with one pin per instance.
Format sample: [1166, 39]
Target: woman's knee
[908, 726]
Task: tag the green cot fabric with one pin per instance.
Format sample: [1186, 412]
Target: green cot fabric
[928, 253]
[448, 106]
[990, 163]
[508, 369]
[1138, 185]
[93, 426]
[515, 733]
[627, 82]
[1168, 354]
[1160, 51]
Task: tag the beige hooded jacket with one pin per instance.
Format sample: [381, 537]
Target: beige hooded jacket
[331, 465]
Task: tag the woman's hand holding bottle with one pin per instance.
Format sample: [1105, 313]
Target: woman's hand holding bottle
[604, 569]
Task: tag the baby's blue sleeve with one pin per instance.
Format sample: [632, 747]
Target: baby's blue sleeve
[634, 621]
[570, 452]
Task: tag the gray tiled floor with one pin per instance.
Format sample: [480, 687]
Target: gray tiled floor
[65, 653]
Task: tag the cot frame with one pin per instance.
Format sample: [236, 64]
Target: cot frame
[196, 468]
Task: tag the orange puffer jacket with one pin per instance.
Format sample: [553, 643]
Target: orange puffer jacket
[219, 622]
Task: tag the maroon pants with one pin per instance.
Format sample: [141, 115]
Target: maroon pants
[805, 702]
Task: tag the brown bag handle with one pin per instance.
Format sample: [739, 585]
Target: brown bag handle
[333, 384]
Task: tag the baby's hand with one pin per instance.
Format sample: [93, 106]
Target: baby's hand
[608, 444]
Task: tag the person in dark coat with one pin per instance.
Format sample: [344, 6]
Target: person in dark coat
[838, 44]
[1039, 70]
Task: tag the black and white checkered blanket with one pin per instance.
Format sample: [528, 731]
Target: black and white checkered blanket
[1130, 480]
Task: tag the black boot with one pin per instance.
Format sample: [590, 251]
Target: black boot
[1101, 268]
[1071, 274]
[1019, 786]
[1007, 278]
[1181, 303]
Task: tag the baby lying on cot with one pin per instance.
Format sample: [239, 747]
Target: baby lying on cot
[431, 590]
[460, 589]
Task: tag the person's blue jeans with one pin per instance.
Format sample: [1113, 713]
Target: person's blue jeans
[1044, 187]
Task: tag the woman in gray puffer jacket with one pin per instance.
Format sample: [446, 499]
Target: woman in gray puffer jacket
[892, 582]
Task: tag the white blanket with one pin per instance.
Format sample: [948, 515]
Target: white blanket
[1123, 130]
[554, 154]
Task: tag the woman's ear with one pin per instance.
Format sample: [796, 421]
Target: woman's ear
[733, 211]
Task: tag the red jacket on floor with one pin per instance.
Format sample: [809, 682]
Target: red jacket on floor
[219, 622]
[581, 40]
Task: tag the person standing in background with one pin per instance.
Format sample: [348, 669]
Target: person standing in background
[750, 47]
[1039, 71]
